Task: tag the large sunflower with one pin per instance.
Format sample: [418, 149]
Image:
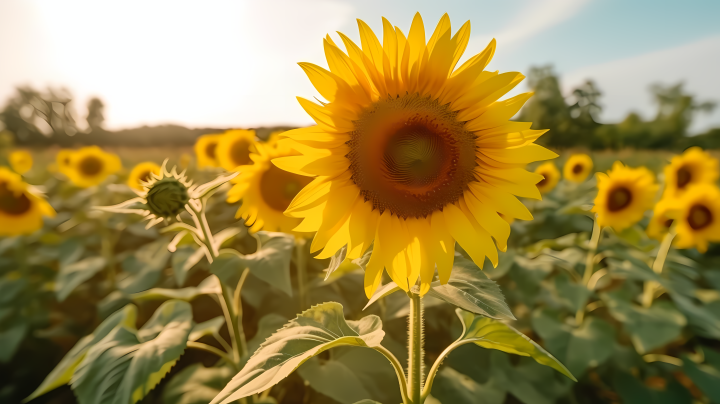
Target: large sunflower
[695, 166]
[266, 191]
[91, 165]
[234, 148]
[577, 168]
[550, 177]
[21, 211]
[624, 194]
[142, 173]
[21, 161]
[206, 150]
[411, 154]
[698, 218]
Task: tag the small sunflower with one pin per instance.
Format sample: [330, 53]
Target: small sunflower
[63, 160]
[91, 165]
[21, 210]
[206, 150]
[142, 173]
[550, 177]
[21, 161]
[624, 194]
[234, 148]
[695, 166]
[662, 218]
[411, 153]
[698, 217]
[266, 191]
[577, 168]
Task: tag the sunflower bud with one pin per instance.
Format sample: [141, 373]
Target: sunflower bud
[167, 197]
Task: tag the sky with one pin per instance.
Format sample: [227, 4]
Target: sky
[233, 63]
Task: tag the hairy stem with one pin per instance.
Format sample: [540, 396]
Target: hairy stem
[589, 266]
[399, 372]
[436, 366]
[415, 348]
[650, 287]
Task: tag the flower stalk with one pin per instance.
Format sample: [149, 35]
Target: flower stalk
[589, 265]
[415, 348]
[650, 287]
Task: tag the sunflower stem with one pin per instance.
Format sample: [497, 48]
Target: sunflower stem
[415, 348]
[650, 287]
[301, 265]
[589, 266]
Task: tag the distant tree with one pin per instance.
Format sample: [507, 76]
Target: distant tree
[34, 117]
[95, 116]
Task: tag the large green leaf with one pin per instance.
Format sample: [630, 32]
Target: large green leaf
[572, 295]
[207, 287]
[707, 378]
[73, 275]
[493, 334]
[196, 384]
[125, 365]
[10, 338]
[453, 387]
[142, 270]
[64, 370]
[209, 327]
[183, 260]
[315, 330]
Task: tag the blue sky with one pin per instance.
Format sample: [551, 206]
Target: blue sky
[233, 63]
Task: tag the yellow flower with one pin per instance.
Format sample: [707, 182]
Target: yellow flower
[206, 150]
[63, 158]
[21, 161]
[21, 211]
[411, 154]
[274, 138]
[695, 166]
[624, 194]
[698, 218]
[266, 191]
[141, 173]
[508, 219]
[89, 166]
[578, 167]
[185, 160]
[233, 149]
[662, 218]
[550, 177]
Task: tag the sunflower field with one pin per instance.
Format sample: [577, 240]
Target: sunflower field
[415, 246]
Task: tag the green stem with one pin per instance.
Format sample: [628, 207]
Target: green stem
[650, 287]
[436, 366]
[301, 265]
[399, 371]
[213, 350]
[415, 348]
[589, 266]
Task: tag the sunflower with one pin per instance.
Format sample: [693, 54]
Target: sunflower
[698, 218]
[266, 191]
[274, 137]
[695, 166]
[550, 177]
[63, 158]
[89, 166]
[662, 218]
[21, 211]
[624, 194]
[206, 150]
[185, 160]
[411, 154]
[21, 161]
[234, 147]
[142, 173]
[577, 168]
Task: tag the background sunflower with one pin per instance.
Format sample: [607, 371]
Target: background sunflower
[89, 166]
[694, 166]
[21, 161]
[142, 172]
[234, 148]
[577, 168]
[551, 176]
[21, 211]
[624, 195]
[698, 218]
[206, 150]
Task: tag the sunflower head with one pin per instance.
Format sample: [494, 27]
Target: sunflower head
[63, 160]
[206, 150]
[274, 137]
[21, 161]
[234, 148]
[166, 197]
[266, 191]
[577, 168]
[698, 217]
[695, 166]
[411, 154]
[550, 177]
[91, 165]
[662, 219]
[624, 194]
[21, 210]
[141, 174]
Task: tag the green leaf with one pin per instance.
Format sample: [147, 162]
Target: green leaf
[335, 261]
[64, 370]
[183, 260]
[266, 327]
[572, 295]
[702, 318]
[196, 384]
[10, 339]
[209, 327]
[705, 377]
[142, 270]
[632, 390]
[381, 292]
[125, 365]
[73, 275]
[469, 289]
[493, 334]
[367, 402]
[209, 286]
[453, 387]
[315, 330]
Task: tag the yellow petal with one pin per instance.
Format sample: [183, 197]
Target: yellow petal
[443, 248]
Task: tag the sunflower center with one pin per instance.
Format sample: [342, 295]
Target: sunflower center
[619, 199]
[144, 176]
[240, 152]
[410, 155]
[668, 223]
[577, 169]
[684, 176]
[90, 166]
[12, 204]
[279, 187]
[699, 217]
[210, 149]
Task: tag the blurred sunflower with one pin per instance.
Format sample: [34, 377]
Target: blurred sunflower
[577, 168]
[89, 166]
[624, 194]
[695, 166]
[21, 210]
[662, 218]
[142, 173]
[234, 147]
[206, 150]
[411, 154]
[698, 218]
[185, 160]
[21, 161]
[266, 191]
[63, 160]
[550, 177]
[274, 137]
